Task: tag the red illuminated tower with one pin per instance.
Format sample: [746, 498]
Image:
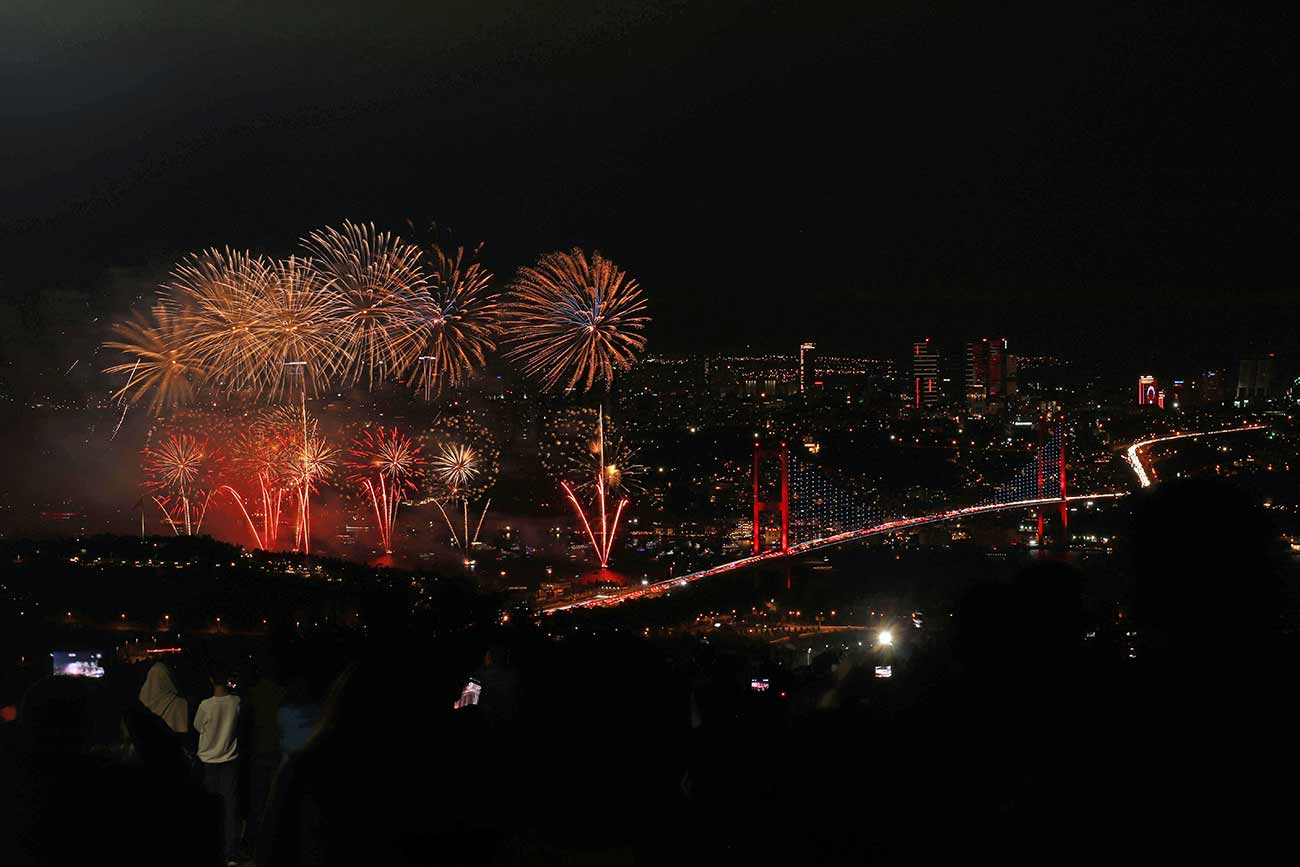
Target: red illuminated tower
[1055, 423]
[1148, 389]
[781, 506]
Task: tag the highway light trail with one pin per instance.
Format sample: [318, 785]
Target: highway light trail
[1135, 460]
[661, 587]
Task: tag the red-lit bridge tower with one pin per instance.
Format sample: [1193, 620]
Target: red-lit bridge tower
[782, 505]
[1051, 428]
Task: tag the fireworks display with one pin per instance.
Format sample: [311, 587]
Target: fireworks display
[366, 304]
[213, 299]
[571, 451]
[456, 465]
[387, 465]
[574, 320]
[162, 365]
[464, 458]
[602, 545]
[457, 324]
[263, 460]
[179, 474]
[464, 461]
[377, 280]
[361, 305]
[299, 333]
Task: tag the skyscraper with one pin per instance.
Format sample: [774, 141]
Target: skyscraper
[1210, 388]
[977, 353]
[990, 372]
[1256, 379]
[925, 374]
[806, 365]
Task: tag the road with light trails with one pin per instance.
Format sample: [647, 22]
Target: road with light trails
[1134, 457]
[660, 588]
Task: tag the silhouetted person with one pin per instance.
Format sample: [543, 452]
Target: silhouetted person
[297, 717]
[499, 700]
[262, 707]
[159, 695]
[61, 804]
[156, 746]
[387, 778]
[217, 722]
[1212, 698]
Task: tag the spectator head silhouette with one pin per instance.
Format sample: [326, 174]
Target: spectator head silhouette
[1204, 555]
[55, 715]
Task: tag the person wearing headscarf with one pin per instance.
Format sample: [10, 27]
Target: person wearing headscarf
[160, 696]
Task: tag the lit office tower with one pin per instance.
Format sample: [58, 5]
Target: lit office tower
[998, 358]
[925, 374]
[990, 371]
[806, 365]
[977, 353]
[1256, 379]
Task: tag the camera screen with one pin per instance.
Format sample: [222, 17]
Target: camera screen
[77, 663]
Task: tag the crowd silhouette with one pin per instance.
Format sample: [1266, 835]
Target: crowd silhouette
[1019, 733]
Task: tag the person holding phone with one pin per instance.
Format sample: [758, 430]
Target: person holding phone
[217, 722]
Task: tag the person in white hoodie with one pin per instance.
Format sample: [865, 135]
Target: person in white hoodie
[217, 722]
[160, 696]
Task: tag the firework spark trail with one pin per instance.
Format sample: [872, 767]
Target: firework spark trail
[387, 465]
[456, 465]
[302, 461]
[464, 471]
[457, 540]
[214, 295]
[603, 546]
[479, 527]
[181, 471]
[300, 346]
[166, 514]
[163, 362]
[458, 319]
[265, 454]
[125, 405]
[315, 464]
[575, 320]
[360, 305]
[252, 528]
[377, 278]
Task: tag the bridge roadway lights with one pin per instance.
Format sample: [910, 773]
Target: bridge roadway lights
[669, 584]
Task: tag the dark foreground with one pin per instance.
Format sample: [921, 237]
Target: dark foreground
[1010, 736]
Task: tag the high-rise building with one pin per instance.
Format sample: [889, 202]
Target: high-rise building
[1148, 390]
[925, 374]
[1256, 379]
[1209, 388]
[806, 350]
[977, 354]
[990, 371]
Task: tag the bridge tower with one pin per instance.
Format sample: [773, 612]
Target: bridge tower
[1051, 426]
[762, 505]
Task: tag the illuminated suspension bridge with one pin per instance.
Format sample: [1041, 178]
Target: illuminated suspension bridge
[801, 506]
[808, 508]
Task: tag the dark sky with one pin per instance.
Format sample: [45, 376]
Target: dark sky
[1117, 177]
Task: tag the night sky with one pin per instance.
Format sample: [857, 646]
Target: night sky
[1117, 180]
